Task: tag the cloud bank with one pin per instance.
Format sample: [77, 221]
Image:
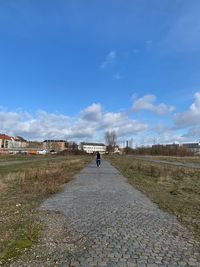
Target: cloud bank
[90, 124]
[159, 123]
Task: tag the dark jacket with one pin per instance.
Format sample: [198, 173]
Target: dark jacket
[98, 156]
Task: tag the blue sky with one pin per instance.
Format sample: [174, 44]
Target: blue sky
[75, 69]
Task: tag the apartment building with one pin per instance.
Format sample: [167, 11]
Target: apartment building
[194, 147]
[93, 147]
[56, 145]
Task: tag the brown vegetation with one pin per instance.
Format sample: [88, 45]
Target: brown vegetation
[172, 150]
[174, 189]
[22, 188]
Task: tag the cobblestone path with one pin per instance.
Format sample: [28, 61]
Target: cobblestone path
[112, 224]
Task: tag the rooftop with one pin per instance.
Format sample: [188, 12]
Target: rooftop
[92, 144]
[5, 137]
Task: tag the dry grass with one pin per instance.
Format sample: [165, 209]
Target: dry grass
[174, 189]
[194, 159]
[8, 157]
[2, 186]
[22, 189]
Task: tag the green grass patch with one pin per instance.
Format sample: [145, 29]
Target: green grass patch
[23, 239]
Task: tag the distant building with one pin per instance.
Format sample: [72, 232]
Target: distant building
[35, 145]
[9, 144]
[172, 146]
[194, 147]
[5, 141]
[56, 145]
[92, 147]
[20, 141]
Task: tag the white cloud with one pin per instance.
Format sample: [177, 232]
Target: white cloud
[93, 121]
[193, 134]
[147, 103]
[122, 124]
[167, 135]
[190, 117]
[90, 123]
[92, 113]
[42, 125]
[110, 59]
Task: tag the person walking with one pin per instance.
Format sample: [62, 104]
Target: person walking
[98, 159]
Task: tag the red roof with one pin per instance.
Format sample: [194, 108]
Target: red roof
[5, 137]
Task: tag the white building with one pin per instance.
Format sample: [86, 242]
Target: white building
[92, 147]
[5, 141]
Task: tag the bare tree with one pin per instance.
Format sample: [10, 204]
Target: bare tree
[73, 146]
[111, 139]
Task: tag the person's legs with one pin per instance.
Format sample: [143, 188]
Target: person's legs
[98, 162]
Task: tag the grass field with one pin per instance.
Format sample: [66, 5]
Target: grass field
[194, 159]
[22, 188]
[174, 189]
[8, 157]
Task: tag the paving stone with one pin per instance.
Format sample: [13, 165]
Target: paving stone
[115, 225]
